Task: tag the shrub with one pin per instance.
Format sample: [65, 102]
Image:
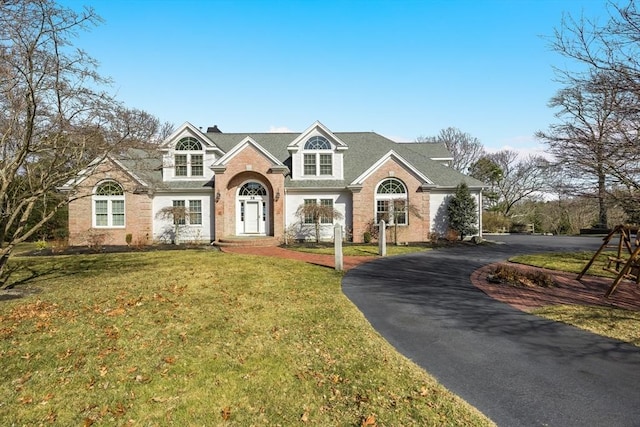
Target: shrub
[515, 277]
[41, 245]
[367, 237]
[128, 238]
[373, 230]
[495, 222]
[95, 240]
[452, 235]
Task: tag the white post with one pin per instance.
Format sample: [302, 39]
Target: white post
[337, 243]
[382, 238]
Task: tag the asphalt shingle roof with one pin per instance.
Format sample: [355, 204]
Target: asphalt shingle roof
[364, 150]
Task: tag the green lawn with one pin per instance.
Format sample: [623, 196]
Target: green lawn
[357, 249]
[612, 322]
[572, 262]
[199, 337]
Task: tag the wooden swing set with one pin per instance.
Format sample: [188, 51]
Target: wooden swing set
[624, 268]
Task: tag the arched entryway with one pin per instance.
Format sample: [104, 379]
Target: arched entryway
[252, 209]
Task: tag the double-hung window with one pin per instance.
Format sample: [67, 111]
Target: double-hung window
[322, 208]
[309, 217]
[327, 218]
[195, 212]
[187, 212]
[317, 158]
[179, 212]
[391, 202]
[108, 205]
[188, 158]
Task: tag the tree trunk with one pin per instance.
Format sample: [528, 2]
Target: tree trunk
[602, 198]
[4, 259]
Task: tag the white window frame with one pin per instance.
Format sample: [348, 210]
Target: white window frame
[194, 159]
[188, 204]
[110, 201]
[317, 155]
[308, 219]
[389, 198]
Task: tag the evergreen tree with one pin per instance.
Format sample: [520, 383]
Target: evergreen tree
[462, 211]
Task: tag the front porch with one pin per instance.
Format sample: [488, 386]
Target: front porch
[247, 241]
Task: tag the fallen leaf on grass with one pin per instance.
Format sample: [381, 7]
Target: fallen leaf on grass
[226, 413]
[25, 400]
[116, 312]
[369, 421]
[164, 399]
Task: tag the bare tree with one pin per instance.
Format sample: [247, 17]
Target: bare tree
[516, 180]
[55, 119]
[316, 213]
[464, 148]
[605, 60]
[585, 144]
[178, 216]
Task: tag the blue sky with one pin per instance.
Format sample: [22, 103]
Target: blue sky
[400, 68]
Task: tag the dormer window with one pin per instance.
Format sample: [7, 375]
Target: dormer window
[188, 158]
[316, 159]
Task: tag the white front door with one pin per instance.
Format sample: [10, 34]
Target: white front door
[252, 216]
[252, 209]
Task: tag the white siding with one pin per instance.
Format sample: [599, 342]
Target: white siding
[297, 162]
[438, 205]
[341, 202]
[163, 228]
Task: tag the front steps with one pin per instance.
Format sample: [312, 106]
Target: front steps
[241, 241]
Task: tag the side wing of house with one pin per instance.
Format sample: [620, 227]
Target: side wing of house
[107, 203]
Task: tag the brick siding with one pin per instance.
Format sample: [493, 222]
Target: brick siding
[138, 211]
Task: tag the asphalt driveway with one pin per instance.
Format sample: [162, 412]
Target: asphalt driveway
[518, 369]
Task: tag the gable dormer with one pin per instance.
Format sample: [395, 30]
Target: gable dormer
[187, 154]
[260, 155]
[317, 154]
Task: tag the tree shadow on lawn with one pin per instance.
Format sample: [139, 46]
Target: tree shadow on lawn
[24, 274]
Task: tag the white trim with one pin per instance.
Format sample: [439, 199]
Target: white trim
[264, 206]
[90, 170]
[316, 128]
[222, 161]
[109, 199]
[391, 154]
[187, 129]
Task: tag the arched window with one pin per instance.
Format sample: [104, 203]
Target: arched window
[189, 163]
[188, 144]
[391, 202]
[252, 189]
[108, 205]
[317, 163]
[317, 143]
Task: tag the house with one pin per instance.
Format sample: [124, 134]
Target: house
[231, 185]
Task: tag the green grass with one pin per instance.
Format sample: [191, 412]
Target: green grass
[611, 322]
[572, 262]
[356, 249]
[202, 338]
